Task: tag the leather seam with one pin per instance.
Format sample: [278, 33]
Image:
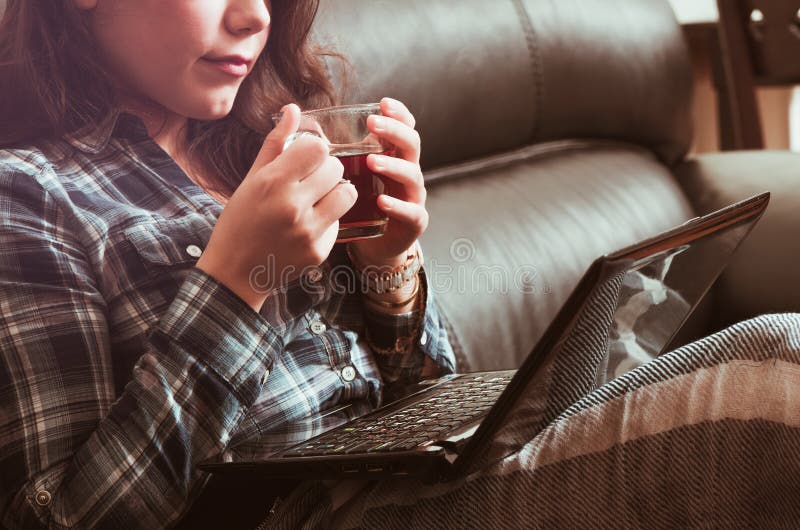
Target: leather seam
[525, 154]
[535, 60]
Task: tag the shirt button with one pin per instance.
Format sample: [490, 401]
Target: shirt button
[264, 377]
[43, 497]
[423, 338]
[348, 373]
[194, 251]
[314, 275]
[318, 327]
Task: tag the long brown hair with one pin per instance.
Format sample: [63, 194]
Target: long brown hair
[53, 83]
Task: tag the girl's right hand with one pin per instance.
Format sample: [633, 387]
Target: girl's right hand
[282, 218]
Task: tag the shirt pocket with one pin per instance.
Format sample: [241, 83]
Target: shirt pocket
[164, 250]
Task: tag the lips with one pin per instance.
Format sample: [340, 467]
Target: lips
[233, 65]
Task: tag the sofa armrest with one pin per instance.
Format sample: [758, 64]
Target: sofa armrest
[764, 275]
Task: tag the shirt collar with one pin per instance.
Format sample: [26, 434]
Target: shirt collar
[93, 138]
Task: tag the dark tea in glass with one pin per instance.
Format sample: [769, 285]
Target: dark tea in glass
[345, 130]
[364, 219]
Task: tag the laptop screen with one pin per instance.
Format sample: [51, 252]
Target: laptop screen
[651, 304]
[656, 295]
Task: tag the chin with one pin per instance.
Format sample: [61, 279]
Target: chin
[212, 107]
[213, 112]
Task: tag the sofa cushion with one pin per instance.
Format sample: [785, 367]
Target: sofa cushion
[488, 77]
[763, 275]
[511, 236]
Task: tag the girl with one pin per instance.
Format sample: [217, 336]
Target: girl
[167, 289]
[139, 191]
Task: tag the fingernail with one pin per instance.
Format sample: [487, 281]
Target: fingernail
[390, 103]
[279, 116]
[388, 202]
[377, 164]
[379, 123]
[285, 109]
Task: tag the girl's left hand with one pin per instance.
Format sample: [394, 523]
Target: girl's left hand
[406, 211]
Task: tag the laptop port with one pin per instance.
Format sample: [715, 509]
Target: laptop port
[350, 468]
[374, 468]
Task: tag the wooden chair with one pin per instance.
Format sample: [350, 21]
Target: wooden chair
[759, 46]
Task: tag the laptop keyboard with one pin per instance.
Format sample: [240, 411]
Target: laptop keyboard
[450, 405]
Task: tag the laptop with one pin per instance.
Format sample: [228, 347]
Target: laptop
[449, 426]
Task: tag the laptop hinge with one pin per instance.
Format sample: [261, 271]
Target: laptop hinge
[457, 439]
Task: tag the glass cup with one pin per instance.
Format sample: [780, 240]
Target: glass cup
[344, 128]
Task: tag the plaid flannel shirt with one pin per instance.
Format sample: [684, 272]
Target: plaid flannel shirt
[122, 365]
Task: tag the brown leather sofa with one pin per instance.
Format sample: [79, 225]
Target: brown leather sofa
[554, 132]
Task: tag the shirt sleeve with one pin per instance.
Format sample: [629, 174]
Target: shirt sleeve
[401, 342]
[72, 453]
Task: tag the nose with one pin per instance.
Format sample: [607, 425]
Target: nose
[247, 17]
